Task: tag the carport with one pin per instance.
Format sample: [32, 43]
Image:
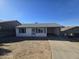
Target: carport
[71, 31]
[53, 31]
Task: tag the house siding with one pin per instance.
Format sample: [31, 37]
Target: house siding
[8, 28]
[29, 33]
[49, 30]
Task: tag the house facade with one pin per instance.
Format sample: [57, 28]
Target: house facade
[38, 30]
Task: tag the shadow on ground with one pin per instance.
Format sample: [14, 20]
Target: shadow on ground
[18, 39]
[73, 39]
[4, 51]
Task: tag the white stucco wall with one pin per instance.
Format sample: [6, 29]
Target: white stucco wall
[41, 34]
[29, 33]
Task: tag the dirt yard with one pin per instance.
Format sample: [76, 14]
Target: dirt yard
[28, 50]
[40, 49]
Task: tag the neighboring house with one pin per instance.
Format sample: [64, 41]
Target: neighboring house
[8, 28]
[38, 30]
[72, 31]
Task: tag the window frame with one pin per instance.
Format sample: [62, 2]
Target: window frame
[22, 30]
[40, 30]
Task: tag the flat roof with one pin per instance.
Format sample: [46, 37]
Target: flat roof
[40, 25]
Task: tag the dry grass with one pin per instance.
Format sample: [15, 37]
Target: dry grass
[28, 50]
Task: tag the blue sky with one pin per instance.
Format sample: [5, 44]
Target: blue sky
[64, 12]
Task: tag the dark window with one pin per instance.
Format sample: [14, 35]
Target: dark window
[22, 30]
[39, 30]
[33, 29]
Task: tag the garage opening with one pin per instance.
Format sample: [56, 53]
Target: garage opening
[52, 31]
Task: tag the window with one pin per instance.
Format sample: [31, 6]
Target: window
[39, 30]
[22, 30]
[33, 29]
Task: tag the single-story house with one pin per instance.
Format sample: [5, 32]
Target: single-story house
[72, 31]
[8, 28]
[38, 30]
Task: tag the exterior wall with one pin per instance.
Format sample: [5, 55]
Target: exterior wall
[6, 33]
[52, 30]
[8, 28]
[41, 34]
[29, 33]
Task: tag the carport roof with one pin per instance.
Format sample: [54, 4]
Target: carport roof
[40, 25]
[68, 27]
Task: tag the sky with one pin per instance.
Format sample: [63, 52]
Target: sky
[64, 12]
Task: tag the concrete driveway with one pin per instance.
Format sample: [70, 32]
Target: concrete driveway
[64, 50]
